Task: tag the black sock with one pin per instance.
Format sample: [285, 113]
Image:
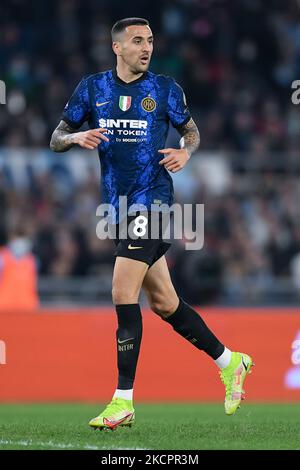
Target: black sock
[190, 325]
[129, 335]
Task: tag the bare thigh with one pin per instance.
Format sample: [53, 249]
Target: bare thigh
[159, 289]
[127, 281]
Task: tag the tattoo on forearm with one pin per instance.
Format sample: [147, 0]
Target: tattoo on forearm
[62, 137]
[190, 136]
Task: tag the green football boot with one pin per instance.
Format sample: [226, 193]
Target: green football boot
[119, 412]
[233, 377]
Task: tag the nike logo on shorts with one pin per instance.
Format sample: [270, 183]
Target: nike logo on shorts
[130, 247]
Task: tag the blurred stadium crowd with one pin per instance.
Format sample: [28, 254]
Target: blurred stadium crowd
[236, 61]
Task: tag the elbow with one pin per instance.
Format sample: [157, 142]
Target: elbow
[52, 144]
[52, 147]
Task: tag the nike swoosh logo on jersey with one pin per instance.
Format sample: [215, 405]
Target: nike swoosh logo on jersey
[124, 340]
[133, 247]
[101, 104]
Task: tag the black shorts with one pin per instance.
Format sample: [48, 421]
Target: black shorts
[147, 247]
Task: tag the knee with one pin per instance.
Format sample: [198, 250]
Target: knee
[164, 307]
[123, 296]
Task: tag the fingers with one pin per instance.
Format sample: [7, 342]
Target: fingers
[103, 137]
[92, 138]
[174, 159]
[89, 142]
[96, 132]
[172, 164]
[174, 168]
[99, 133]
[88, 145]
[166, 160]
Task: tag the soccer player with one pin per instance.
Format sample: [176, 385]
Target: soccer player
[129, 110]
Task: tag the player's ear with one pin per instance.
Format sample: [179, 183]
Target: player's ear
[116, 47]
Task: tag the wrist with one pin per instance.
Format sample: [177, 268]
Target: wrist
[188, 152]
[183, 147]
[73, 138]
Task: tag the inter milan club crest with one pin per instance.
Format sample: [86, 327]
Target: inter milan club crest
[124, 102]
[148, 104]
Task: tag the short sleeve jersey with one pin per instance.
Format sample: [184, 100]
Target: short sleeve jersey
[136, 116]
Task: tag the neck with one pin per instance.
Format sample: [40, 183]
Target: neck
[125, 74]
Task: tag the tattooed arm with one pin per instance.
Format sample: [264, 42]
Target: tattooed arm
[64, 137]
[176, 159]
[190, 137]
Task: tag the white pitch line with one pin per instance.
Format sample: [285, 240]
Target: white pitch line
[9, 442]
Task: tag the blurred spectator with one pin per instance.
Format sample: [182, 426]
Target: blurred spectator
[18, 274]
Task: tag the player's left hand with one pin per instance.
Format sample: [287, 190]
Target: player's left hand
[175, 159]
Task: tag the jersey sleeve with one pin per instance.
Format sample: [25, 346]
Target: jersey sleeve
[77, 109]
[178, 111]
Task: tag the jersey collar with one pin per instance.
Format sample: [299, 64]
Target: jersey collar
[121, 82]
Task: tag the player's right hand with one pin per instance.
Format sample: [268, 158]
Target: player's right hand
[89, 139]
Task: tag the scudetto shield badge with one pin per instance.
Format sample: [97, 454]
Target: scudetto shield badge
[124, 102]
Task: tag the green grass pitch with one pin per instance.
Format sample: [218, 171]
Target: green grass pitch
[158, 426]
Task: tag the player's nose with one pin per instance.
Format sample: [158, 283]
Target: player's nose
[147, 48]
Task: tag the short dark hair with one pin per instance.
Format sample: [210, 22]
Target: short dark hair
[120, 25]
